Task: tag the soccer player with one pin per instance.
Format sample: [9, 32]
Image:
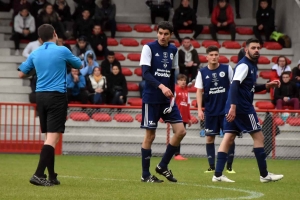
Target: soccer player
[241, 115]
[159, 60]
[214, 81]
[49, 61]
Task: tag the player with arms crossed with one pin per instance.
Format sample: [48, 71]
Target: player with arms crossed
[214, 81]
[241, 115]
[159, 60]
[50, 63]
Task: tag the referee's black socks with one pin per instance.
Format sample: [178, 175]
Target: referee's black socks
[46, 158]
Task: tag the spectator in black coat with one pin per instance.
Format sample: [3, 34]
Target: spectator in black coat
[265, 20]
[99, 41]
[64, 15]
[185, 18]
[83, 25]
[37, 6]
[108, 63]
[84, 5]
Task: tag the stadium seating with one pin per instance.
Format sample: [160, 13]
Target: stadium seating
[263, 60]
[132, 86]
[234, 59]
[146, 41]
[272, 45]
[244, 31]
[134, 56]
[79, 116]
[126, 71]
[138, 71]
[138, 117]
[142, 28]
[123, 117]
[129, 42]
[124, 28]
[265, 74]
[231, 45]
[101, 117]
[264, 105]
[135, 101]
[112, 42]
[202, 58]
[207, 43]
[223, 59]
[119, 56]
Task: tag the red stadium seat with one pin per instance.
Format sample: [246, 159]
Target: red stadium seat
[244, 31]
[123, 117]
[231, 45]
[194, 120]
[138, 71]
[207, 43]
[126, 71]
[264, 105]
[272, 45]
[79, 116]
[175, 42]
[142, 28]
[185, 31]
[278, 121]
[24, 41]
[223, 32]
[261, 92]
[194, 103]
[101, 117]
[195, 44]
[135, 101]
[146, 41]
[138, 117]
[192, 89]
[119, 56]
[263, 60]
[265, 74]
[223, 59]
[293, 121]
[112, 42]
[234, 59]
[134, 56]
[132, 86]
[129, 42]
[124, 28]
[205, 30]
[70, 42]
[261, 122]
[274, 60]
[202, 58]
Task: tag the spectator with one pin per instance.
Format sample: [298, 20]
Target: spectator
[31, 46]
[83, 25]
[37, 6]
[108, 63]
[97, 86]
[117, 87]
[265, 20]
[76, 87]
[81, 47]
[24, 28]
[296, 74]
[89, 63]
[222, 19]
[280, 66]
[49, 16]
[64, 16]
[287, 93]
[19, 4]
[185, 18]
[159, 8]
[195, 5]
[105, 15]
[61, 42]
[237, 7]
[99, 41]
[84, 5]
[188, 60]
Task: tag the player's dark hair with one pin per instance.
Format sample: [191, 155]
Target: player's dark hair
[111, 53]
[212, 48]
[281, 56]
[181, 76]
[165, 25]
[187, 38]
[46, 32]
[264, 1]
[251, 40]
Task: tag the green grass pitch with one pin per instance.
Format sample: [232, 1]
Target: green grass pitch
[114, 178]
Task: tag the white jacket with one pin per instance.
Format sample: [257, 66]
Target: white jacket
[31, 46]
[24, 22]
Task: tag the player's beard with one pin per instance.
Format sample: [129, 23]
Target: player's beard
[254, 57]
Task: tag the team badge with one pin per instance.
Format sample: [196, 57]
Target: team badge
[165, 54]
[214, 75]
[171, 56]
[222, 74]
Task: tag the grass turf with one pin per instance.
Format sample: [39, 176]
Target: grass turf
[107, 178]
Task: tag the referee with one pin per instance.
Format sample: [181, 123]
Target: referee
[49, 62]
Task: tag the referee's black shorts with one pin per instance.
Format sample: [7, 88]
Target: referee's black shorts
[52, 108]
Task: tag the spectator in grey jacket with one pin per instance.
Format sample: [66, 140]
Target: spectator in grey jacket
[105, 15]
[24, 27]
[81, 47]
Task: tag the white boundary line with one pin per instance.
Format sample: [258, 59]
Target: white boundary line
[251, 194]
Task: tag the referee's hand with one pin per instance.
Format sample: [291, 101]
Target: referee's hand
[166, 91]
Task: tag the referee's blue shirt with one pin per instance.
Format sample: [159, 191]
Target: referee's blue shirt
[49, 61]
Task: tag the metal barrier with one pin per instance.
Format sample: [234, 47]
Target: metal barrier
[115, 130]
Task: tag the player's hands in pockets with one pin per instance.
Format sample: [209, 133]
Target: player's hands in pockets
[231, 114]
[167, 92]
